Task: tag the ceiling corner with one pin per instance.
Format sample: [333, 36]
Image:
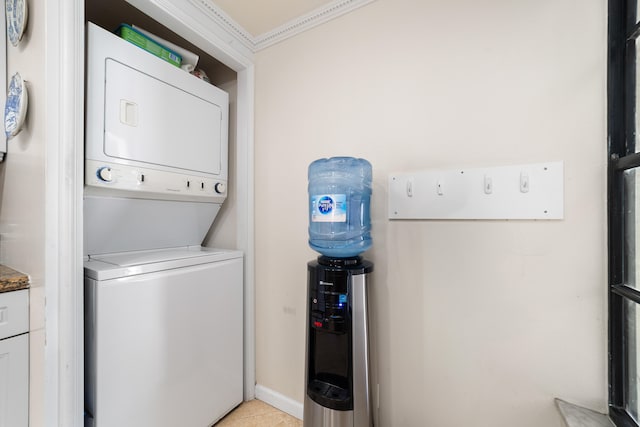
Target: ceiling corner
[289, 29]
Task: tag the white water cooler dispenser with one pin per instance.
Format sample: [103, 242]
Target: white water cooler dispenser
[337, 386]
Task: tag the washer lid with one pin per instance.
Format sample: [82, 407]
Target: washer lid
[124, 264]
[129, 259]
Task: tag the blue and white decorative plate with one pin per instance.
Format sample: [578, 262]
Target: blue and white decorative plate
[17, 12]
[15, 109]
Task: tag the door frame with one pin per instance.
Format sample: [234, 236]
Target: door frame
[63, 240]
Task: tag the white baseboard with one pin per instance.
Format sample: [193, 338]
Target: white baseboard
[279, 401]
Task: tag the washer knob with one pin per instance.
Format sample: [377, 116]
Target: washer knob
[104, 174]
[220, 188]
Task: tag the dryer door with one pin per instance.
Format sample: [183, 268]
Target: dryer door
[152, 122]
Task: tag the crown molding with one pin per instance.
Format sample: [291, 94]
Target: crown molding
[289, 29]
[305, 22]
[226, 23]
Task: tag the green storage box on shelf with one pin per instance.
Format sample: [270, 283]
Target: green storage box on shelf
[131, 35]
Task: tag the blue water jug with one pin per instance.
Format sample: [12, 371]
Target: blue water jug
[339, 204]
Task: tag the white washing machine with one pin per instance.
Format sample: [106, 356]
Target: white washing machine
[163, 315]
[163, 337]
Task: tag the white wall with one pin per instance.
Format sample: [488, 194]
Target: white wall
[22, 187]
[475, 322]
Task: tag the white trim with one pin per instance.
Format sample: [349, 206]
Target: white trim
[192, 22]
[245, 228]
[280, 401]
[226, 23]
[289, 29]
[64, 68]
[306, 22]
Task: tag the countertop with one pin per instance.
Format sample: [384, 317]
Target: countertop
[12, 280]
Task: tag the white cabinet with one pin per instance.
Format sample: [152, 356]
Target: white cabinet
[14, 359]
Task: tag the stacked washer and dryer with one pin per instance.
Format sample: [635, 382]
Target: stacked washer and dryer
[163, 315]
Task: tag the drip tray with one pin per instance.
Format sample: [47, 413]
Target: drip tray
[330, 395]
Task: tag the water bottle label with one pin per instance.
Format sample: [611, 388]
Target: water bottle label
[329, 208]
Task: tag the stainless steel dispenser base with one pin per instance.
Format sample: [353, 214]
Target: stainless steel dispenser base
[316, 415]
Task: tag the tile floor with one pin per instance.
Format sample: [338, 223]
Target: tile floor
[256, 413]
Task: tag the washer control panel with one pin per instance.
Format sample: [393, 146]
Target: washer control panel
[144, 182]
